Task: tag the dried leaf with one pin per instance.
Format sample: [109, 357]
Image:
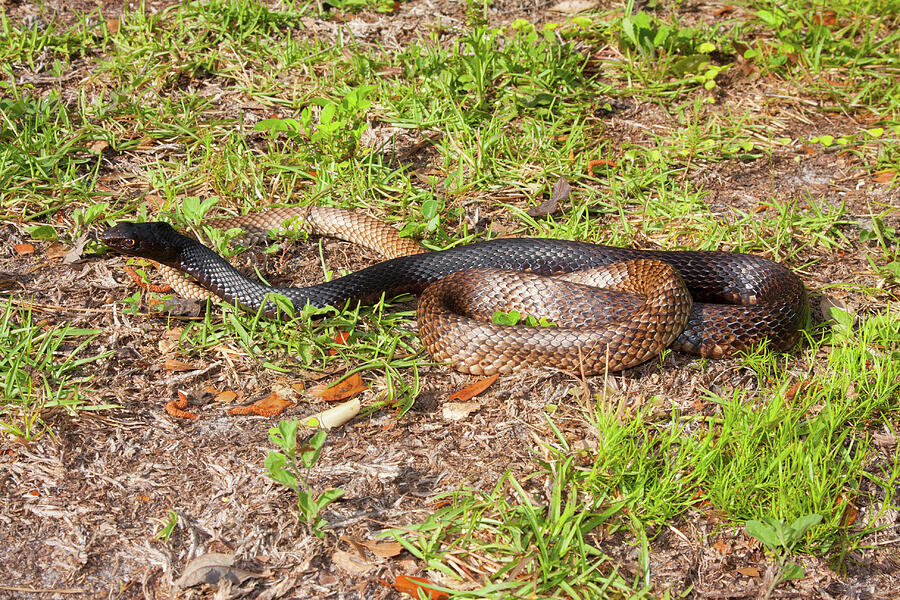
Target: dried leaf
[826, 19]
[23, 249]
[132, 274]
[74, 255]
[418, 587]
[457, 411]
[599, 162]
[724, 11]
[561, 191]
[342, 390]
[352, 563]
[884, 176]
[799, 387]
[56, 250]
[470, 391]
[212, 568]
[99, 145]
[748, 571]
[175, 408]
[270, 406]
[382, 549]
[340, 339]
[226, 397]
[172, 364]
[850, 511]
[112, 25]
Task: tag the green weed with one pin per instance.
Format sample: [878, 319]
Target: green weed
[285, 468]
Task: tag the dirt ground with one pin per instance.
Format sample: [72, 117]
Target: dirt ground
[79, 510]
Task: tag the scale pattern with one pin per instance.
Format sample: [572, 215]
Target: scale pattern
[739, 300]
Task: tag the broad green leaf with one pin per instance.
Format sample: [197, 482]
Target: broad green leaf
[763, 533]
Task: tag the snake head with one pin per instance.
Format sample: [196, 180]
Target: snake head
[155, 240]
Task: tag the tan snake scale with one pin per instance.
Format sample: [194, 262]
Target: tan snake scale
[709, 303]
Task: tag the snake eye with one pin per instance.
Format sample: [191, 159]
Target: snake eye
[129, 243]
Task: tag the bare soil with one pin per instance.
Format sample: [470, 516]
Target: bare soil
[79, 509]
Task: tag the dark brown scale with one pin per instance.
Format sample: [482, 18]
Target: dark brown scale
[739, 300]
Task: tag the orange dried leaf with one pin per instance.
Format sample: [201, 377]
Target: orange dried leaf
[414, 585]
[226, 397]
[175, 408]
[826, 19]
[270, 406]
[850, 511]
[340, 339]
[178, 365]
[159, 289]
[749, 571]
[98, 146]
[598, 162]
[342, 390]
[884, 177]
[470, 391]
[722, 12]
[382, 549]
[798, 387]
[23, 249]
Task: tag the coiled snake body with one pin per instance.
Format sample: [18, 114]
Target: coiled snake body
[708, 303]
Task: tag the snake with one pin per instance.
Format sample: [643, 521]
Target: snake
[609, 308]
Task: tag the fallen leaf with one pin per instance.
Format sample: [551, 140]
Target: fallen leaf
[23, 249]
[826, 19]
[418, 587]
[179, 307]
[599, 162]
[342, 390]
[798, 387]
[382, 549]
[560, 192]
[212, 568]
[850, 511]
[340, 339]
[470, 391]
[99, 145]
[748, 571]
[270, 406]
[352, 563]
[884, 176]
[724, 11]
[226, 397]
[159, 289]
[56, 250]
[74, 255]
[172, 364]
[112, 25]
[175, 408]
[457, 411]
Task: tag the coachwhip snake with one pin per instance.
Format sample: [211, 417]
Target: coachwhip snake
[709, 303]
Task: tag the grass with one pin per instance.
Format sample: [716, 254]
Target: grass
[43, 369]
[229, 105]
